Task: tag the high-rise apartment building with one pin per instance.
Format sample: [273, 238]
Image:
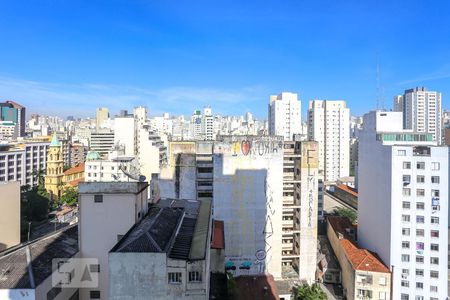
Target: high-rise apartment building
[422, 111]
[208, 124]
[13, 112]
[102, 142]
[101, 116]
[403, 204]
[23, 161]
[285, 115]
[329, 125]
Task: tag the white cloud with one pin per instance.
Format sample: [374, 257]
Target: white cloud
[82, 99]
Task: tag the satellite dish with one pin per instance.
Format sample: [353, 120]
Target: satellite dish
[142, 178]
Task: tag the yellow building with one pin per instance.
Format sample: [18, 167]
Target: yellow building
[55, 165]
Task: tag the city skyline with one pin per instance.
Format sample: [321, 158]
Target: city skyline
[178, 58]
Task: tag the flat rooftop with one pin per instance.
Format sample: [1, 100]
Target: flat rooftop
[176, 227]
[112, 187]
[14, 271]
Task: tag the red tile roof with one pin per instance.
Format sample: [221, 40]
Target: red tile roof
[218, 241]
[75, 182]
[261, 287]
[361, 259]
[347, 189]
[77, 169]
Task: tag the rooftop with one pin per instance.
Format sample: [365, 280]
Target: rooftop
[260, 287]
[218, 241]
[14, 271]
[176, 227]
[347, 189]
[361, 259]
[112, 187]
[77, 169]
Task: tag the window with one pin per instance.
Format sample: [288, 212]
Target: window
[174, 277]
[382, 281]
[195, 276]
[435, 166]
[405, 218]
[420, 178]
[434, 260]
[405, 283]
[433, 288]
[94, 294]
[420, 192]
[405, 245]
[435, 193]
[420, 232]
[94, 268]
[435, 179]
[401, 152]
[406, 205]
[434, 233]
[405, 257]
[420, 205]
[434, 247]
[419, 298]
[419, 272]
[420, 165]
[404, 297]
[419, 259]
[405, 231]
[98, 198]
[405, 272]
[434, 274]
[420, 246]
[420, 219]
[382, 296]
[406, 165]
[419, 285]
[406, 179]
[406, 192]
[434, 220]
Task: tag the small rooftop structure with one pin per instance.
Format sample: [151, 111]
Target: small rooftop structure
[176, 227]
[93, 155]
[262, 287]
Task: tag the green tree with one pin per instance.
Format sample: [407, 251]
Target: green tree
[69, 196]
[347, 212]
[307, 292]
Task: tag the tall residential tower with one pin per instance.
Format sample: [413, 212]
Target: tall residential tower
[285, 115]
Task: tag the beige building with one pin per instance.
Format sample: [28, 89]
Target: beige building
[9, 214]
[101, 116]
[107, 211]
[364, 275]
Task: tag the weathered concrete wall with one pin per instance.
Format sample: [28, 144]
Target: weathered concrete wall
[9, 214]
[138, 276]
[248, 184]
[217, 260]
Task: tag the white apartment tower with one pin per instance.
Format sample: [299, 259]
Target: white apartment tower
[208, 124]
[285, 115]
[329, 125]
[403, 205]
[421, 111]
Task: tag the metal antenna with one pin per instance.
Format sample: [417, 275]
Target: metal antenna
[378, 83]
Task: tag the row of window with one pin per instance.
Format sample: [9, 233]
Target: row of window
[420, 232]
[420, 179]
[420, 192]
[420, 259]
[419, 219]
[420, 165]
[176, 277]
[420, 246]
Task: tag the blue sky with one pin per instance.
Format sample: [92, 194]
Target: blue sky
[68, 57]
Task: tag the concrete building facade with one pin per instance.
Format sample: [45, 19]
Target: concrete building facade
[422, 111]
[403, 204]
[285, 115]
[329, 125]
[9, 214]
[106, 212]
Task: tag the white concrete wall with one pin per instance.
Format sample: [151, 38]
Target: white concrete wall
[101, 223]
[248, 184]
[124, 134]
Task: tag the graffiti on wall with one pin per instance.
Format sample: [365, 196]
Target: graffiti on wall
[249, 147]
